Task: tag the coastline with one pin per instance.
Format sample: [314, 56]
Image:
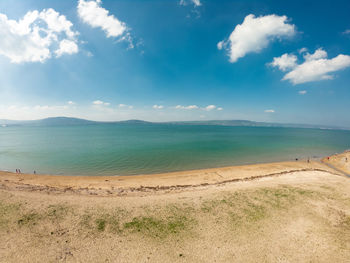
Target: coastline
[121, 185]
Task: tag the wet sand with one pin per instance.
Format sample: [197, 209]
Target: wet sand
[116, 185]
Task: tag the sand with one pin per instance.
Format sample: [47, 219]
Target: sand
[276, 212]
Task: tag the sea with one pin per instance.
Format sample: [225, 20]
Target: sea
[131, 149]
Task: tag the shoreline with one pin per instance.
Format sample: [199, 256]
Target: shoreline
[122, 185]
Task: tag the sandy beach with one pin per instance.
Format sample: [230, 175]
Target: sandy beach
[276, 212]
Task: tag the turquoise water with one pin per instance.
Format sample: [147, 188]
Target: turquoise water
[126, 149]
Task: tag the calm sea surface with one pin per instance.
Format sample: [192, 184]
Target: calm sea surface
[126, 149]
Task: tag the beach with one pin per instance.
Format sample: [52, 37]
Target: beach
[275, 212]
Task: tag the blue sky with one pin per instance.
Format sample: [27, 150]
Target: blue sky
[280, 61]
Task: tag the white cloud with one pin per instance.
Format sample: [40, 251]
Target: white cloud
[96, 16]
[195, 107]
[71, 102]
[346, 32]
[190, 107]
[319, 53]
[302, 92]
[67, 47]
[302, 50]
[194, 2]
[269, 111]
[34, 37]
[210, 107]
[125, 106]
[47, 108]
[317, 67]
[254, 34]
[101, 103]
[285, 62]
[158, 107]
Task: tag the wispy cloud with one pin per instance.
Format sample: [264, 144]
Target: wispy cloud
[194, 2]
[255, 34]
[37, 36]
[125, 106]
[346, 32]
[269, 111]
[96, 16]
[158, 107]
[302, 92]
[101, 103]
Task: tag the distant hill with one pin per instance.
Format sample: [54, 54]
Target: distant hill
[247, 123]
[55, 121]
[58, 121]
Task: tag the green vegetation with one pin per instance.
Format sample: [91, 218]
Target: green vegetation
[29, 219]
[158, 227]
[101, 224]
[247, 207]
[58, 212]
[239, 209]
[7, 213]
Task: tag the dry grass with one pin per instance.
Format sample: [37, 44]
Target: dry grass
[272, 223]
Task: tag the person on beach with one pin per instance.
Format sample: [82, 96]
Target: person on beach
[34, 172]
[16, 171]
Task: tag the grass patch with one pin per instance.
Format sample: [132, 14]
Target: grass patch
[157, 227]
[57, 212]
[248, 207]
[100, 224]
[7, 213]
[29, 219]
[102, 220]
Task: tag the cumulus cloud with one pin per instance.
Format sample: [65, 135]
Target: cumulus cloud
[302, 92]
[190, 107]
[316, 67]
[34, 37]
[319, 53]
[269, 111]
[67, 47]
[284, 62]
[94, 15]
[255, 34]
[210, 107]
[70, 102]
[158, 107]
[100, 103]
[220, 109]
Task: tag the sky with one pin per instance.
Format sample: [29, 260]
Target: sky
[167, 60]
